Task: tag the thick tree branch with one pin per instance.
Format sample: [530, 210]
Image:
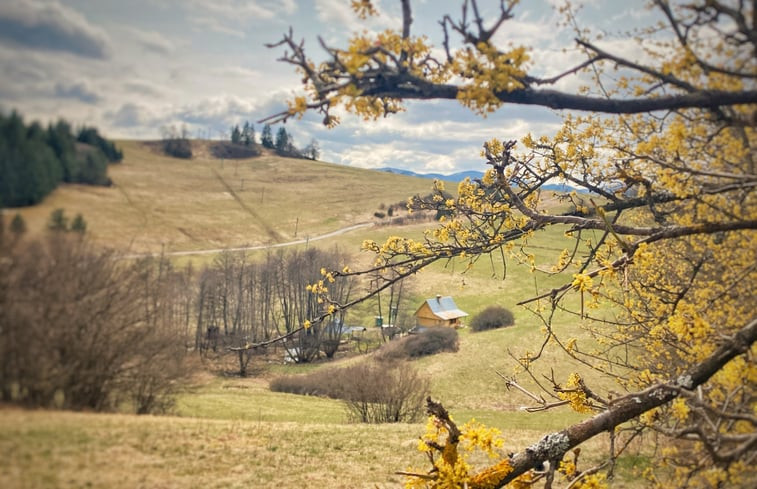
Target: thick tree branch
[555, 445]
[701, 99]
[385, 76]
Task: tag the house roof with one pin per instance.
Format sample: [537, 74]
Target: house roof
[444, 308]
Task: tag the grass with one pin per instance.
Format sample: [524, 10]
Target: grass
[159, 203]
[77, 450]
[251, 400]
[231, 433]
[50, 450]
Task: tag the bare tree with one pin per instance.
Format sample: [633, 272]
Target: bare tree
[81, 330]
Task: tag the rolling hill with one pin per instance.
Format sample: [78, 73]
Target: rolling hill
[229, 432]
[158, 203]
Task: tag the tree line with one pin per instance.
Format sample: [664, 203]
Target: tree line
[282, 143]
[35, 159]
[176, 141]
[240, 302]
[82, 328]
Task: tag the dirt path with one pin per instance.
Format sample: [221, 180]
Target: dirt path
[257, 247]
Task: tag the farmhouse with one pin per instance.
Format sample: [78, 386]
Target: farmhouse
[439, 311]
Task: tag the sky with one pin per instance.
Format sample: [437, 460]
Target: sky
[132, 68]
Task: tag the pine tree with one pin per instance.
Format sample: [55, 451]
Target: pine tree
[236, 135]
[248, 134]
[61, 140]
[266, 137]
[57, 221]
[79, 225]
[89, 135]
[283, 140]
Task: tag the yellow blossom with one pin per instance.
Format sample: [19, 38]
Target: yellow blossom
[581, 281]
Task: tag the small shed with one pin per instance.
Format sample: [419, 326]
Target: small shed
[439, 311]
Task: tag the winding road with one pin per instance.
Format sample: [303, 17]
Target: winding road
[257, 247]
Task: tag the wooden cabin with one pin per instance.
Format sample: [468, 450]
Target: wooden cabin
[439, 311]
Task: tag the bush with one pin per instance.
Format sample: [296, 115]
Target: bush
[431, 341]
[233, 151]
[323, 383]
[384, 393]
[372, 392]
[178, 148]
[176, 142]
[492, 317]
[89, 135]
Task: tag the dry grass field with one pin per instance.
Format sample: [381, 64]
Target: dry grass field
[81, 450]
[158, 203]
[232, 433]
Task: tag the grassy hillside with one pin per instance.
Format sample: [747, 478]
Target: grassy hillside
[158, 202]
[229, 432]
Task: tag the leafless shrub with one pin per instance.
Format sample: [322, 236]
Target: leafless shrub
[386, 392]
[324, 383]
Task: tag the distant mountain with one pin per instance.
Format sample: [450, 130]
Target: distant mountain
[454, 177]
[472, 174]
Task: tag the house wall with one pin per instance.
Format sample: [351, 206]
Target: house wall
[424, 317]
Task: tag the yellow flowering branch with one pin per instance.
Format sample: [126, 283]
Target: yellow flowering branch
[552, 447]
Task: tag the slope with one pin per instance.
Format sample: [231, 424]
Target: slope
[159, 203]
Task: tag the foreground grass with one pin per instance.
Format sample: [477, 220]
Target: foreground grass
[49, 449]
[43, 449]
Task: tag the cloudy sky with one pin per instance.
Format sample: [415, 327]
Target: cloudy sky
[133, 67]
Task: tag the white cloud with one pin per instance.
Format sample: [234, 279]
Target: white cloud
[48, 25]
[239, 72]
[338, 13]
[335, 11]
[288, 6]
[217, 25]
[236, 17]
[211, 115]
[130, 115]
[36, 77]
[153, 41]
[144, 88]
[381, 155]
[226, 108]
[234, 9]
